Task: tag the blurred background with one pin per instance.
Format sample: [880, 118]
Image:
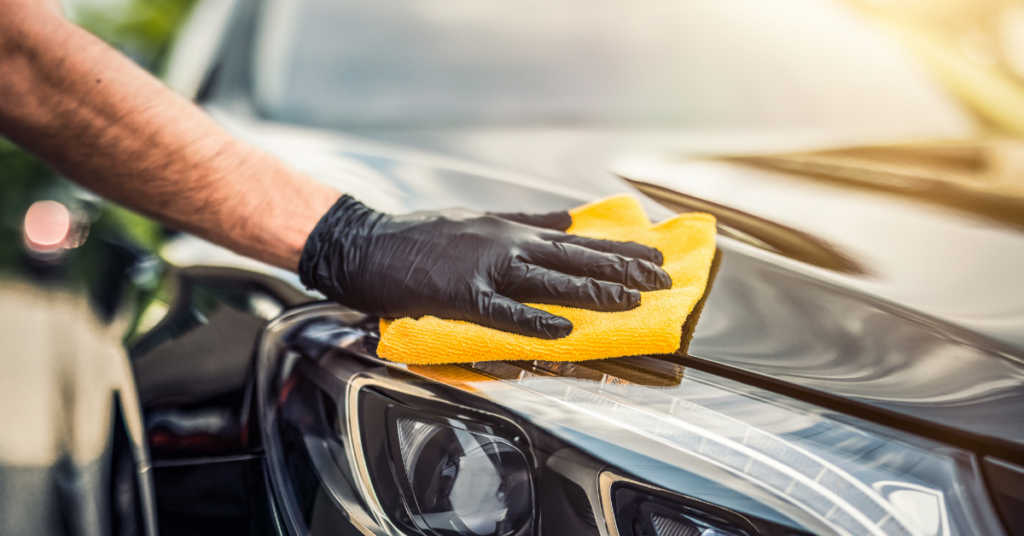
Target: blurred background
[143, 30]
[974, 47]
[59, 243]
[62, 338]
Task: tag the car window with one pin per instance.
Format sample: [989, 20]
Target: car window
[607, 63]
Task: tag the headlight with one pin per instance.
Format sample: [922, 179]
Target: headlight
[626, 447]
[462, 483]
[458, 481]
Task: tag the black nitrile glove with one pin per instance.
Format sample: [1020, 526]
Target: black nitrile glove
[465, 265]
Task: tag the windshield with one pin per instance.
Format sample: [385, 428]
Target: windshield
[604, 63]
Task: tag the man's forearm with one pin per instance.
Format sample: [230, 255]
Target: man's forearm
[107, 124]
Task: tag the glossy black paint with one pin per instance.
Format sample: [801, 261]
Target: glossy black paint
[194, 368]
[1006, 484]
[194, 375]
[305, 410]
[762, 322]
[899, 307]
[766, 320]
[775, 315]
[311, 396]
[895, 366]
[126, 517]
[221, 496]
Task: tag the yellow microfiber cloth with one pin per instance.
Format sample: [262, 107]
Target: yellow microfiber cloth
[687, 242]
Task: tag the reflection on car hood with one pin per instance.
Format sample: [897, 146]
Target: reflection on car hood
[927, 332]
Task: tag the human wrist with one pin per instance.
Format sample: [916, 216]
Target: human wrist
[289, 202]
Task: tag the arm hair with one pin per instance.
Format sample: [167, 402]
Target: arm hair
[109, 125]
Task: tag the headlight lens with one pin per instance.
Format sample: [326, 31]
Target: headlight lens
[461, 483]
[611, 448]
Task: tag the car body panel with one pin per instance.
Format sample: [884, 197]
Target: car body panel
[841, 335]
[797, 303]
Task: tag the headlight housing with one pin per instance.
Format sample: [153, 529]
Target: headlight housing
[460, 482]
[628, 447]
[457, 473]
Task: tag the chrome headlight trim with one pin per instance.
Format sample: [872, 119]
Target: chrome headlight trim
[273, 357]
[358, 459]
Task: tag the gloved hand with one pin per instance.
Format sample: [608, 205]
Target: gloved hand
[465, 265]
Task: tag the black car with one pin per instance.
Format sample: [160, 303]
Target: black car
[856, 366]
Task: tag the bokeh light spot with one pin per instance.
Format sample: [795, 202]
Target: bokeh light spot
[47, 224]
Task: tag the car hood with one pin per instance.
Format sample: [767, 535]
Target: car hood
[890, 306]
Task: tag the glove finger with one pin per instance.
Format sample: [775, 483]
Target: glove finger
[556, 221]
[578, 260]
[541, 285]
[626, 249]
[500, 312]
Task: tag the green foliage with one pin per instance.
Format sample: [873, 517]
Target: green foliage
[23, 180]
[143, 30]
[20, 175]
[130, 227]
